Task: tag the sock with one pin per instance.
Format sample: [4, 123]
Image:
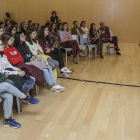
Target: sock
[6, 120]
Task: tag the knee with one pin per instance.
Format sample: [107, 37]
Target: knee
[52, 65]
[56, 64]
[6, 85]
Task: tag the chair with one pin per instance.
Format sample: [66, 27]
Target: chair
[74, 37]
[85, 42]
[108, 45]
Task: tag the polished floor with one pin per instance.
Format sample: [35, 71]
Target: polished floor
[86, 111]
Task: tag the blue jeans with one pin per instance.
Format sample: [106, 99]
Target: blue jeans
[48, 75]
[6, 92]
[28, 85]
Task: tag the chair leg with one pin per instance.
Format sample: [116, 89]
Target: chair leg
[103, 49]
[86, 52]
[95, 51]
[66, 56]
[18, 106]
[109, 48]
[89, 52]
[78, 55]
[12, 115]
[36, 89]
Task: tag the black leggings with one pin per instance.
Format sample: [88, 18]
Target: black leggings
[57, 55]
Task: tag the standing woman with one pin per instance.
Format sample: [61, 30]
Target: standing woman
[54, 17]
[84, 28]
[95, 38]
[67, 42]
[44, 41]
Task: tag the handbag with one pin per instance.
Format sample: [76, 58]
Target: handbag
[3, 78]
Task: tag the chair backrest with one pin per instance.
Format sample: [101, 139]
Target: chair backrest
[83, 39]
[75, 37]
[89, 40]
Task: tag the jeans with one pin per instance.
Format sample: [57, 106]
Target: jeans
[28, 85]
[53, 63]
[48, 75]
[57, 55]
[6, 92]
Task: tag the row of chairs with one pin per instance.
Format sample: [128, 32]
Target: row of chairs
[84, 44]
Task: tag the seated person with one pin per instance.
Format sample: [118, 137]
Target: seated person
[95, 38]
[44, 41]
[8, 69]
[109, 34]
[6, 92]
[24, 27]
[37, 61]
[53, 34]
[1, 32]
[67, 42]
[36, 49]
[59, 28]
[15, 58]
[76, 30]
[84, 28]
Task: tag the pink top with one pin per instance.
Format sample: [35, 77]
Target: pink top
[85, 30]
[65, 35]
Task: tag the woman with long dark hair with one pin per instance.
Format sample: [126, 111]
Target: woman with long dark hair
[67, 42]
[84, 28]
[95, 38]
[44, 41]
[53, 34]
[37, 61]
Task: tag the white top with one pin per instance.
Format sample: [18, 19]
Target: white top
[85, 30]
[33, 48]
[4, 63]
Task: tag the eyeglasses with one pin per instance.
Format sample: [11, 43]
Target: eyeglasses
[23, 36]
[14, 30]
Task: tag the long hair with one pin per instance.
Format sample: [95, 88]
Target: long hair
[42, 36]
[22, 24]
[9, 29]
[91, 29]
[22, 46]
[82, 23]
[29, 32]
[63, 26]
[51, 27]
[5, 38]
[58, 26]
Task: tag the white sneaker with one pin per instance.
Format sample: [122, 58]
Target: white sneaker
[64, 75]
[66, 70]
[55, 88]
[60, 87]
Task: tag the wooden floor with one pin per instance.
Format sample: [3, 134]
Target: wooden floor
[86, 111]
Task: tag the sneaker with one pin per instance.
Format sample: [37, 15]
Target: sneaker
[60, 88]
[55, 88]
[64, 75]
[31, 100]
[117, 53]
[66, 70]
[11, 123]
